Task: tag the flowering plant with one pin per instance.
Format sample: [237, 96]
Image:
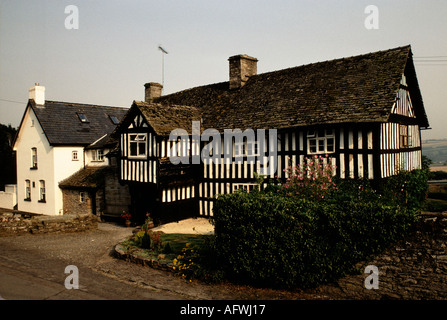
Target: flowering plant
[126, 216]
[312, 179]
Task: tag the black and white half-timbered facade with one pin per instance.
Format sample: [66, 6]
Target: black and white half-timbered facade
[365, 112]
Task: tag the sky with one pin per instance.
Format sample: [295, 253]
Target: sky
[106, 51]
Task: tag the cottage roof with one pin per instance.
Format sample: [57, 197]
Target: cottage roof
[165, 118]
[74, 123]
[86, 178]
[349, 90]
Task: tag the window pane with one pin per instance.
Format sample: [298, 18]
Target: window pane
[321, 145]
[133, 149]
[330, 145]
[142, 149]
[313, 145]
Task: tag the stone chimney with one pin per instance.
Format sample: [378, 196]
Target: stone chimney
[37, 93]
[152, 90]
[242, 67]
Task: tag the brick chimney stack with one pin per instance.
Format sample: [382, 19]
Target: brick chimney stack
[242, 67]
[152, 91]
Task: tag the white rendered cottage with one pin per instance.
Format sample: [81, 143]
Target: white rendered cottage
[52, 144]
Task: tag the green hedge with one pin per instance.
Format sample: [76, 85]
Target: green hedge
[269, 239]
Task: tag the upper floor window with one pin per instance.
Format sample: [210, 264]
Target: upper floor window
[33, 158]
[320, 141]
[74, 156]
[137, 145]
[246, 148]
[405, 138]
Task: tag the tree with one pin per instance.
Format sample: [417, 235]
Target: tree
[7, 156]
[426, 162]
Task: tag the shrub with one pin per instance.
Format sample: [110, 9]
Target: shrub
[148, 239]
[408, 188]
[198, 262]
[275, 239]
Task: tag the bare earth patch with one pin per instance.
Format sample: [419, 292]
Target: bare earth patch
[188, 226]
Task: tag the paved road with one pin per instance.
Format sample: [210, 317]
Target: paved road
[33, 267]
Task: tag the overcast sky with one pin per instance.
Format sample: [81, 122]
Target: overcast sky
[114, 51]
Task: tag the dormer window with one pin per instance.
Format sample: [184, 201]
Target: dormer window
[83, 118]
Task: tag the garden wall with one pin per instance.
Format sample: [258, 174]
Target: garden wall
[17, 223]
[415, 268]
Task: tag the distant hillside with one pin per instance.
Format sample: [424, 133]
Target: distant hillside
[436, 150]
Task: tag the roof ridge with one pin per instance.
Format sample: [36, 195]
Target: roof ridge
[83, 104]
[289, 68]
[144, 103]
[335, 60]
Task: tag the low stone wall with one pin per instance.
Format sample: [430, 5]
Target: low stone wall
[415, 268]
[18, 223]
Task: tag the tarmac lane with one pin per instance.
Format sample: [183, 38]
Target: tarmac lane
[33, 267]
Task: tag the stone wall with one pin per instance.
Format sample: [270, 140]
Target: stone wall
[16, 223]
[116, 196]
[415, 268]
[72, 202]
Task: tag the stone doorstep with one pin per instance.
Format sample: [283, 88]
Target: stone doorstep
[121, 253]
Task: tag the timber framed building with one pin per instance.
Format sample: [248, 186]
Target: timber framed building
[366, 112]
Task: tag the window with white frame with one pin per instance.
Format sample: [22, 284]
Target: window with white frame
[97, 155]
[33, 158]
[404, 136]
[247, 186]
[27, 190]
[246, 148]
[42, 191]
[74, 156]
[320, 141]
[82, 197]
[137, 145]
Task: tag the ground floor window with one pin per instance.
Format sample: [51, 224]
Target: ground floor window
[42, 191]
[82, 198]
[27, 190]
[247, 186]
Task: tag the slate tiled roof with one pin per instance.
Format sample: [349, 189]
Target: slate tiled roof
[349, 90]
[62, 125]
